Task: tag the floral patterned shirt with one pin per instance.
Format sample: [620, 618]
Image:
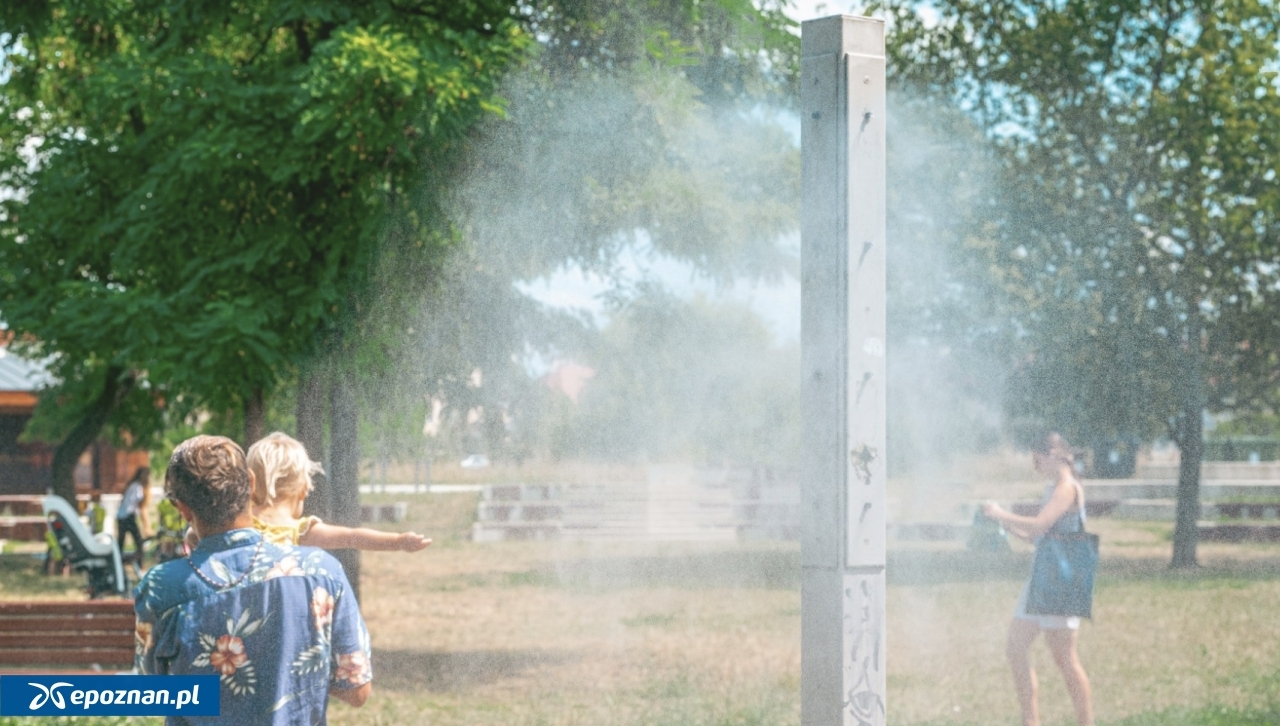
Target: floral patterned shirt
[279, 637]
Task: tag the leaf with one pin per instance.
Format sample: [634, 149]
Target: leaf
[222, 573]
[131, 237]
[283, 700]
[311, 660]
[253, 627]
[244, 618]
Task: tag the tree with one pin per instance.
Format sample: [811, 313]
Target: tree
[697, 381]
[946, 362]
[635, 126]
[203, 187]
[1135, 228]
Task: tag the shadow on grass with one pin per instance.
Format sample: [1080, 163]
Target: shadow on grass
[1211, 716]
[922, 567]
[769, 570]
[937, 568]
[1220, 572]
[780, 570]
[21, 576]
[447, 672]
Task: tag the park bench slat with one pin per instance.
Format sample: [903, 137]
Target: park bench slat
[74, 640]
[53, 624]
[62, 634]
[100, 656]
[67, 607]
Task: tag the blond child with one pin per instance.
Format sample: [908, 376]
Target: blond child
[282, 471]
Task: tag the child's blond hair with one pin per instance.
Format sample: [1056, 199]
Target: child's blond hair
[281, 468]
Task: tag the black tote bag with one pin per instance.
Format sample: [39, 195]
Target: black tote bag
[1062, 575]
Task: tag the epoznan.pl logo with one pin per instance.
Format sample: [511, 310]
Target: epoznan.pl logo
[47, 693]
[109, 695]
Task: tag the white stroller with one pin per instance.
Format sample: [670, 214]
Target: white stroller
[95, 555]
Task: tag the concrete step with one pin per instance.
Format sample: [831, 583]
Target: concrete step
[1210, 489]
[673, 502]
[508, 511]
[508, 531]
[520, 492]
[1237, 470]
[1163, 510]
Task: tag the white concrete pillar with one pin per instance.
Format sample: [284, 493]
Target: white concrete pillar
[843, 364]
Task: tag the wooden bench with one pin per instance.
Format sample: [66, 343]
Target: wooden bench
[67, 635]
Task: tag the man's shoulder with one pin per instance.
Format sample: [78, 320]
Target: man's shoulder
[162, 586]
[312, 561]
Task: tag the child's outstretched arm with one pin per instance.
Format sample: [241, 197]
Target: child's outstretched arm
[332, 536]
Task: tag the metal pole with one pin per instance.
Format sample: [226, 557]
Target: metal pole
[843, 389]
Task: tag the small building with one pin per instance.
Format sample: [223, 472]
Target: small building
[26, 467]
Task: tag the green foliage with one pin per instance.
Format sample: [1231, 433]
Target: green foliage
[204, 186]
[580, 172]
[635, 126]
[947, 362]
[729, 49]
[1265, 424]
[695, 381]
[1134, 226]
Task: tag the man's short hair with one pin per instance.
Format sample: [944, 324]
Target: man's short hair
[209, 475]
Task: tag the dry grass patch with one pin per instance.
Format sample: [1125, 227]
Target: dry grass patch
[552, 633]
[564, 633]
[558, 633]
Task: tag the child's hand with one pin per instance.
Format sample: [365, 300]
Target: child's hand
[412, 542]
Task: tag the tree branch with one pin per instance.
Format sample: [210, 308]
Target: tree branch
[304, 43]
[117, 387]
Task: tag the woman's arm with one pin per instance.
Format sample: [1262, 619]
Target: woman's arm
[331, 536]
[1060, 502]
[1019, 531]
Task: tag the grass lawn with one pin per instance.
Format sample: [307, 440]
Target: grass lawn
[630, 633]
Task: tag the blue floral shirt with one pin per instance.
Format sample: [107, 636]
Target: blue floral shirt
[277, 623]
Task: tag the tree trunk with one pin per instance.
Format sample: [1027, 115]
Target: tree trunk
[118, 384]
[255, 418]
[344, 470]
[1190, 439]
[310, 429]
[495, 433]
[95, 466]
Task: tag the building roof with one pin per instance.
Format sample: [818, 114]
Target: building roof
[568, 378]
[20, 374]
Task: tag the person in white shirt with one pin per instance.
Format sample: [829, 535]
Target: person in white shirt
[131, 507]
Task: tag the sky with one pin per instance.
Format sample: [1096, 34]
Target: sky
[802, 10]
[778, 305]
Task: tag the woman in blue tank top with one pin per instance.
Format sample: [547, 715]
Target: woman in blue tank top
[1062, 511]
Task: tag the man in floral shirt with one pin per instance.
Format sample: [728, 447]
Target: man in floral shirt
[278, 624]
